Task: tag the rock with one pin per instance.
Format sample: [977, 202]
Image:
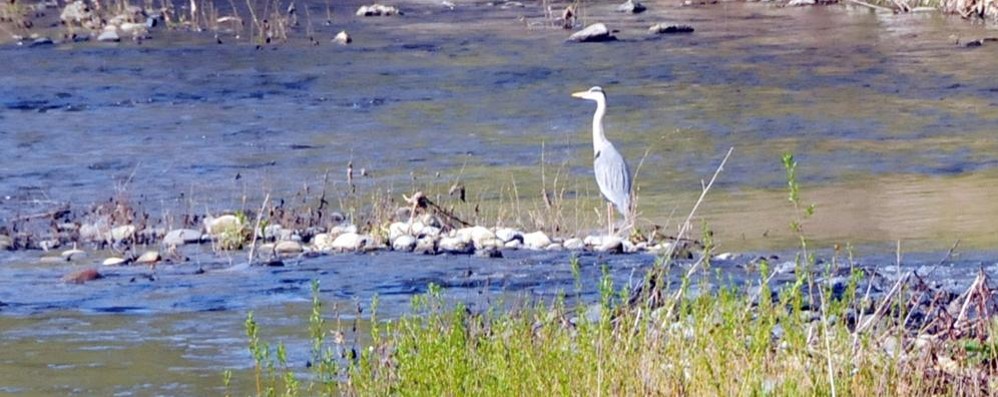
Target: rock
[288, 247]
[429, 231]
[109, 35]
[456, 245]
[267, 249]
[90, 232]
[150, 234]
[5, 242]
[342, 38]
[76, 12]
[349, 242]
[795, 3]
[574, 244]
[222, 224]
[631, 7]
[488, 253]
[272, 232]
[506, 234]
[515, 244]
[629, 247]
[178, 237]
[727, 256]
[323, 242]
[661, 28]
[611, 244]
[479, 236]
[49, 244]
[377, 10]
[148, 258]
[593, 241]
[398, 229]
[133, 28]
[74, 254]
[122, 233]
[404, 243]
[82, 276]
[342, 229]
[593, 33]
[511, 4]
[426, 246]
[536, 240]
[114, 261]
[41, 42]
[554, 247]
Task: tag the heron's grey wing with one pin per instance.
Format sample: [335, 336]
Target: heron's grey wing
[613, 178]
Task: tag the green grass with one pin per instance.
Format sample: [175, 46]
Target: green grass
[799, 337]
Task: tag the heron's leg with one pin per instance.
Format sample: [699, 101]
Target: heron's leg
[609, 219]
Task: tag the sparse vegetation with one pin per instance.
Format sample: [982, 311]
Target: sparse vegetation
[820, 333]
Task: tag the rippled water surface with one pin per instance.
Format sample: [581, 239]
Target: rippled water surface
[893, 124]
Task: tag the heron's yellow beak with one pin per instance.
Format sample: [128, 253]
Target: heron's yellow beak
[579, 94]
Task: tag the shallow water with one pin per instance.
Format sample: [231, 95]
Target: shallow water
[892, 124]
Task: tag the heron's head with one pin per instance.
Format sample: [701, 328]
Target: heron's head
[593, 94]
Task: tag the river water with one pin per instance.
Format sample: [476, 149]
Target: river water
[892, 122]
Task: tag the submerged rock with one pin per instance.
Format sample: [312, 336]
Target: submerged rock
[631, 7]
[81, 276]
[593, 33]
[661, 28]
[536, 240]
[377, 10]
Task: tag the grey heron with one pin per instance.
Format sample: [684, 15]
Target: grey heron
[612, 174]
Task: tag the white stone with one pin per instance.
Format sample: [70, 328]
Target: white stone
[506, 234]
[404, 243]
[536, 240]
[611, 244]
[74, 254]
[122, 233]
[113, 261]
[726, 256]
[455, 245]
[554, 247]
[515, 244]
[222, 224]
[377, 10]
[429, 231]
[426, 246]
[479, 236]
[148, 257]
[288, 247]
[574, 244]
[110, 34]
[182, 236]
[323, 242]
[592, 33]
[349, 242]
[342, 229]
[342, 38]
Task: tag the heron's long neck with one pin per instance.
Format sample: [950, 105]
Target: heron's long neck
[599, 140]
